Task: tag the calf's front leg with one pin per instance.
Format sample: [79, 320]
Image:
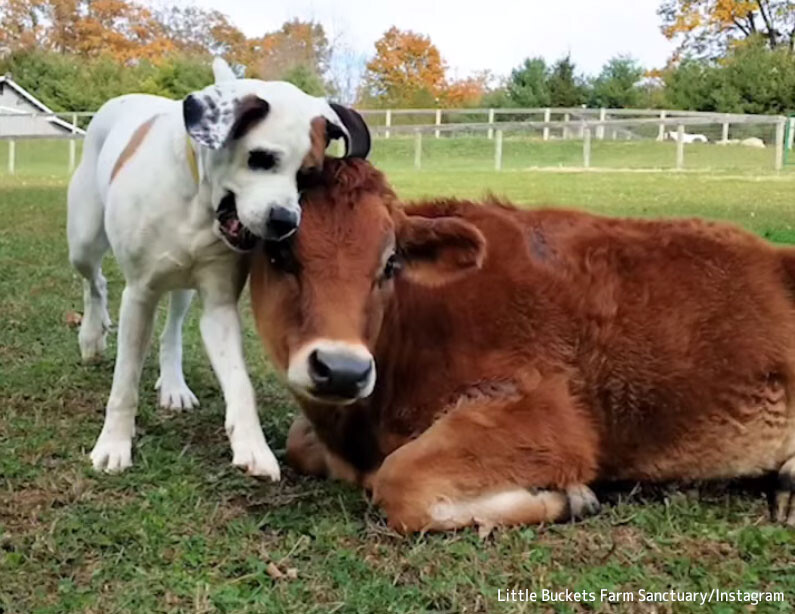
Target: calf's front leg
[524, 460]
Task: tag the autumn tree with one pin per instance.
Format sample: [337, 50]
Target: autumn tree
[123, 30]
[22, 24]
[406, 71]
[466, 92]
[710, 27]
[196, 31]
[296, 44]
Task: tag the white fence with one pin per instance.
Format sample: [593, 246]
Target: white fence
[543, 124]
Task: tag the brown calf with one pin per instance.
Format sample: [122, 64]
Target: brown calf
[523, 354]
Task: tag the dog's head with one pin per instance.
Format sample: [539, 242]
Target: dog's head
[258, 138]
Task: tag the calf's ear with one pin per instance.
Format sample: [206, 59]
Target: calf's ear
[436, 251]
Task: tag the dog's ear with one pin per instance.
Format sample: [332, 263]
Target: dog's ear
[214, 116]
[222, 72]
[347, 124]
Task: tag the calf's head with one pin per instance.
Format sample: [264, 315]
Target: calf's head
[320, 298]
[258, 138]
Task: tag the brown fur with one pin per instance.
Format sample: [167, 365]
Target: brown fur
[313, 161]
[132, 146]
[582, 348]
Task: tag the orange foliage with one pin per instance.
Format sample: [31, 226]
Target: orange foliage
[407, 70]
[464, 92]
[713, 25]
[406, 66]
[121, 29]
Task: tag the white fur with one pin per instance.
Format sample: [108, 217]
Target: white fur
[162, 229]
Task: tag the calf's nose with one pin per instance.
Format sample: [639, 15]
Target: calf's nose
[341, 374]
[281, 223]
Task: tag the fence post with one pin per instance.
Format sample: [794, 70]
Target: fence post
[12, 148]
[387, 122]
[73, 144]
[566, 119]
[417, 150]
[780, 143]
[586, 147]
[791, 134]
[438, 121]
[498, 151]
[725, 133]
[661, 130]
[680, 147]
[547, 116]
[600, 130]
[491, 123]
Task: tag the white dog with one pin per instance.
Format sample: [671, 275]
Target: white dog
[179, 191]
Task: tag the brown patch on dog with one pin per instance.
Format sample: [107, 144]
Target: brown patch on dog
[249, 111]
[132, 145]
[313, 161]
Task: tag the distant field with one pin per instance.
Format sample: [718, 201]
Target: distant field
[476, 153]
[183, 532]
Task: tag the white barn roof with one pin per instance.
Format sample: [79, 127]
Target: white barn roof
[34, 105]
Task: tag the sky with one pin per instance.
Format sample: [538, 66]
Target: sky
[491, 34]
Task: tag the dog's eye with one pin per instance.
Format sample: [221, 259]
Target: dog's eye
[391, 267]
[261, 160]
[280, 256]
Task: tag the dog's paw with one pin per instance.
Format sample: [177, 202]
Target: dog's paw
[175, 394]
[784, 511]
[582, 502]
[111, 454]
[92, 345]
[252, 454]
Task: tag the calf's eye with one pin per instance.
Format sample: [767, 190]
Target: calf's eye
[261, 160]
[280, 256]
[391, 267]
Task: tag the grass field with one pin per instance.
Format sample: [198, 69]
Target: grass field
[184, 532]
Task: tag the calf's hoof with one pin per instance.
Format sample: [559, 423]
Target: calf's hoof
[784, 505]
[582, 502]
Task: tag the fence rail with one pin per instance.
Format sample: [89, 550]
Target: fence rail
[574, 123]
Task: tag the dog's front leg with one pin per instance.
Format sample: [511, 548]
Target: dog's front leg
[112, 452]
[222, 335]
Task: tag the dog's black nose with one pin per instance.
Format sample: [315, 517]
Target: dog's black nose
[341, 374]
[282, 222]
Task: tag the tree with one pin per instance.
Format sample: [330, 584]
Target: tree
[618, 84]
[296, 43]
[306, 79]
[565, 89]
[118, 28]
[407, 70]
[710, 27]
[466, 92]
[528, 84]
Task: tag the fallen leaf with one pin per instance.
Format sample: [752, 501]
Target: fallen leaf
[273, 571]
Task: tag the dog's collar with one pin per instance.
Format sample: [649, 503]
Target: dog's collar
[190, 156]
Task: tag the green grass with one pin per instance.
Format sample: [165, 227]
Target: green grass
[182, 531]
